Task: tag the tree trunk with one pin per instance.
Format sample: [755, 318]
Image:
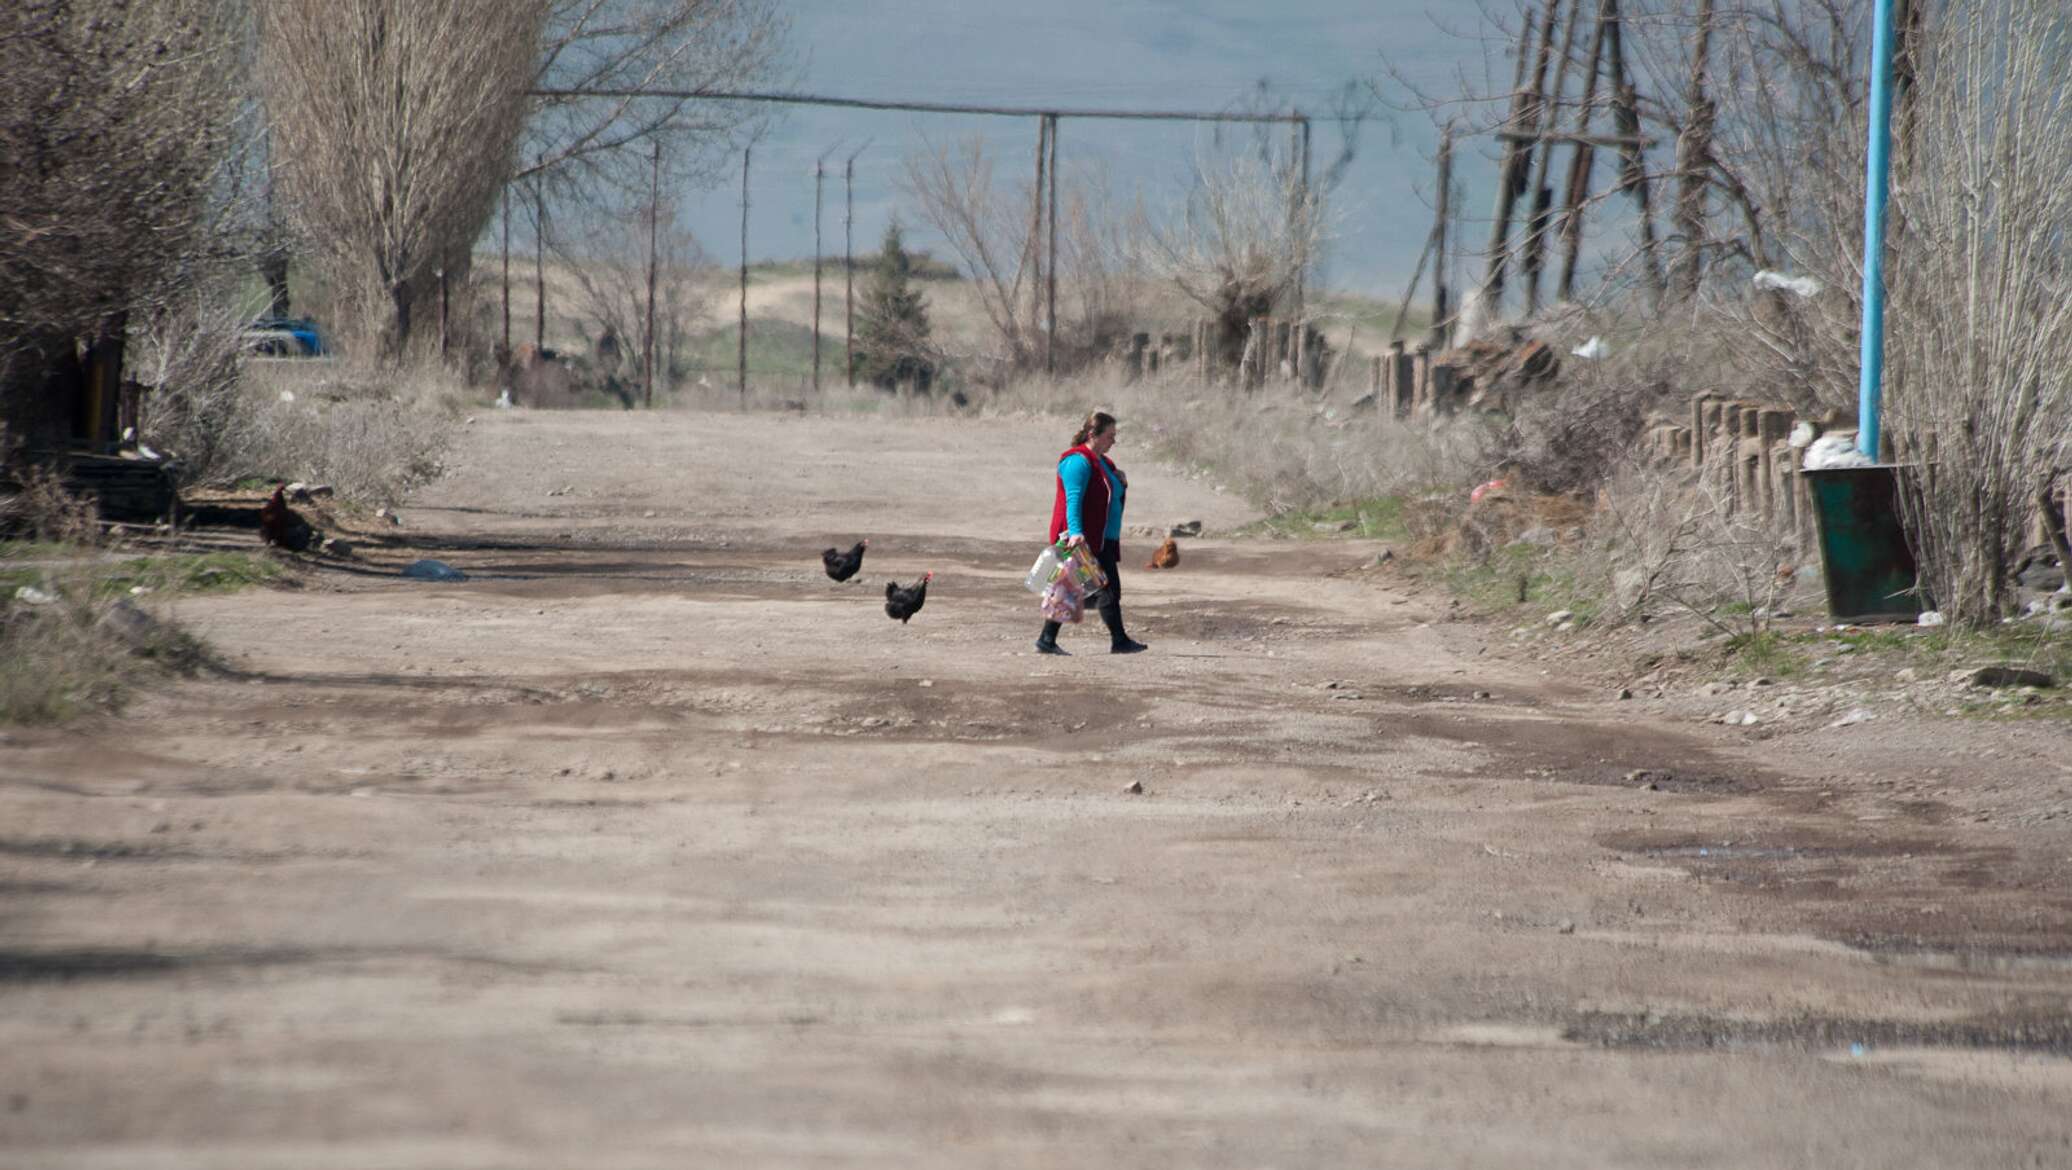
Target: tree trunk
[1693, 156]
[400, 298]
[273, 268]
[2054, 512]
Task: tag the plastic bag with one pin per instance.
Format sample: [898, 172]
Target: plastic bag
[1044, 571]
[434, 571]
[1062, 601]
[1057, 561]
[1085, 571]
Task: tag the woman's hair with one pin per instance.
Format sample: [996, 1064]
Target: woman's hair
[1096, 422]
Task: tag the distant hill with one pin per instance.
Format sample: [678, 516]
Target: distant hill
[780, 309]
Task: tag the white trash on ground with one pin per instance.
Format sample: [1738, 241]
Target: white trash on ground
[1835, 449]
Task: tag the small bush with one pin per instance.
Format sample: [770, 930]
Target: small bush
[373, 434]
[1665, 537]
[193, 355]
[39, 508]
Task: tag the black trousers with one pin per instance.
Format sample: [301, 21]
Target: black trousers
[1110, 560]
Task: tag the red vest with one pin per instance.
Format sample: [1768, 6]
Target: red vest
[1093, 502]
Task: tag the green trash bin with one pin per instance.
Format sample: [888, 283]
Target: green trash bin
[1864, 554]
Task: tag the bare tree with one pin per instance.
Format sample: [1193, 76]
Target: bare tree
[608, 261]
[992, 232]
[1247, 231]
[119, 126]
[680, 45]
[1103, 290]
[1981, 294]
[395, 124]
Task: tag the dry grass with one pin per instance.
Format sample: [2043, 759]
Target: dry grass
[71, 644]
[1285, 449]
[1665, 538]
[371, 433]
[37, 507]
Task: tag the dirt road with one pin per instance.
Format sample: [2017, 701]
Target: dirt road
[647, 846]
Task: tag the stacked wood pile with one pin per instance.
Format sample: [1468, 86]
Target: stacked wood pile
[1482, 375]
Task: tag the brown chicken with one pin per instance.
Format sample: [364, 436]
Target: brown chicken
[281, 526]
[1167, 556]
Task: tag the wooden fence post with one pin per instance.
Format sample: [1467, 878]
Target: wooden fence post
[1579, 165]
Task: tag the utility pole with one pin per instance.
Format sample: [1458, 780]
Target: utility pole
[1633, 173]
[1303, 211]
[849, 267]
[1442, 311]
[1877, 179]
[445, 305]
[1050, 341]
[741, 351]
[819, 171]
[539, 265]
[1033, 252]
[1540, 214]
[1512, 175]
[1579, 163]
[506, 355]
[654, 239]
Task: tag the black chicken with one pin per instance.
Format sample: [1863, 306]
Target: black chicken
[843, 565]
[903, 602]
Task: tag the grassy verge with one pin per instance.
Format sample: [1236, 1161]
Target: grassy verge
[1926, 651]
[73, 641]
[778, 348]
[1517, 582]
[1376, 518]
[175, 573]
[77, 655]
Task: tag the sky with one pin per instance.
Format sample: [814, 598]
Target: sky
[1142, 54]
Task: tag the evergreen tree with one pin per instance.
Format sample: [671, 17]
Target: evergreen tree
[892, 327]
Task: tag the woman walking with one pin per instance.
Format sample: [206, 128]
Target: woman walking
[1088, 510]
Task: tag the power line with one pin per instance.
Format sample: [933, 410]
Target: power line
[805, 99]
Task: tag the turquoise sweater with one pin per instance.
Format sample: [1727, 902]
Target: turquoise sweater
[1075, 471]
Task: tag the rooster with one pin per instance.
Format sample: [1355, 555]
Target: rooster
[1167, 556]
[903, 602]
[843, 565]
[281, 526]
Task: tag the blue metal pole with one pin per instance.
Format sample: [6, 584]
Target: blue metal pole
[1877, 170]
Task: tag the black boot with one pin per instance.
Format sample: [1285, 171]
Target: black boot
[1118, 642]
[1047, 641]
